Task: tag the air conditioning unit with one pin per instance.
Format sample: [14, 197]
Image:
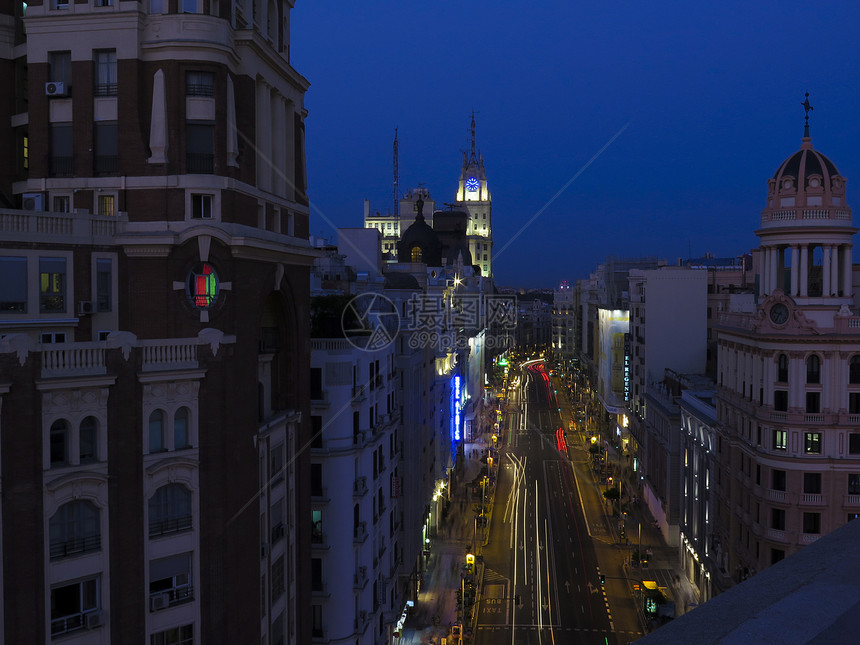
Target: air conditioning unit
[85, 308]
[55, 88]
[161, 601]
[94, 619]
[33, 202]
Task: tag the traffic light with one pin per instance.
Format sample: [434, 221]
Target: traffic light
[602, 579]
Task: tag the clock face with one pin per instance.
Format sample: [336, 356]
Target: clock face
[471, 184]
[779, 313]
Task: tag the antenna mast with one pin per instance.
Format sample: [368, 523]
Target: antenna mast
[396, 176]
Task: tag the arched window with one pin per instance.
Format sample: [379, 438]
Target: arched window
[813, 369]
[782, 369]
[417, 255]
[156, 431]
[88, 451]
[854, 370]
[74, 529]
[170, 510]
[180, 429]
[59, 443]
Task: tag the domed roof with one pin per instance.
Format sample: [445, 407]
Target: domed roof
[421, 235]
[804, 163]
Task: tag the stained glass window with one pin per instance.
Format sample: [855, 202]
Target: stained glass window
[203, 286]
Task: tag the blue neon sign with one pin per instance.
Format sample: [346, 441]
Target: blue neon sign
[455, 408]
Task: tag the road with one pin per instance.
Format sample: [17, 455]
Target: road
[541, 582]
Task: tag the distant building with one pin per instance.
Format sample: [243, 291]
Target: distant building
[564, 321]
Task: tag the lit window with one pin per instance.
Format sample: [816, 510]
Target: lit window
[107, 205]
[812, 443]
[203, 286]
[780, 440]
[52, 285]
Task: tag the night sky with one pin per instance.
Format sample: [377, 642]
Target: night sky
[702, 99]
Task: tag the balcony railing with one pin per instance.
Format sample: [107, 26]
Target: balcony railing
[169, 597]
[812, 499]
[71, 623]
[106, 164]
[104, 89]
[809, 538]
[199, 163]
[62, 166]
[75, 546]
[161, 355]
[79, 359]
[776, 495]
[170, 525]
[852, 500]
[776, 534]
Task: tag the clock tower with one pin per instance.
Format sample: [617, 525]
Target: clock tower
[473, 197]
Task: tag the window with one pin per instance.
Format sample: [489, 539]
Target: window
[316, 527]
[61, 150]
[776, 555]
[316, 574]
[74, 529]
[813, 402]
[854, 483]
[812, 443]
[854, 443]
[106, 148]
[417, 255]
[180, 429]
[812, 483]
[52, 281]
[780, 400]
[156, 6]
[777, 519]
[62, 204]
[278, 582]
[199, 84]
[104, 284]
[13, 286]
[316, 384]
[177, 636]
[854, 370]
[61, 4]
[200, 147]
[189, 6]
[88, 444]
[777, 478]
[812, 522]
[277, 456]
[104, 3]
[853, 402]
[170, 510]
[60, 68]
[71, 603]
[105, 73]
[316, 430]
[156, 431]
[316, 480]
[782, 369]
[201, 206]
[813, 369]
[316, 624]
[107, 205]
[59, 443]
[170, 581]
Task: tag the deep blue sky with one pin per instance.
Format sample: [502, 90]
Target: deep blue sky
[711, 92]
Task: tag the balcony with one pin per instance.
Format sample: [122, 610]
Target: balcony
[776, 535]
[808, 538]
[359, 533]
[777, 496]
[75, 622]
[163, 355]
[359, 578]
[359, 487]
[62, 166]
[106, 164]
[73, 359]
[158, 528]
[810, 499]
[43, 226]
[202, 164]
[170, 597]
[851, 501]
[75, 546]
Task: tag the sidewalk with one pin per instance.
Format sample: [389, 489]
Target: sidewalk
[435, 610]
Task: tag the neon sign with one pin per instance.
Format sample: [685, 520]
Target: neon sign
[455, 408]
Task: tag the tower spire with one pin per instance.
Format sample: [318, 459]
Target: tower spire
[473, 158]
[807, 108]
[396, 175]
